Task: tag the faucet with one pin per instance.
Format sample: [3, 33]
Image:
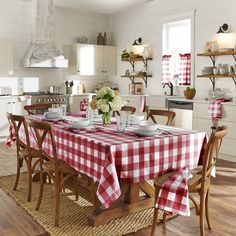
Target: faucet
[170, 85]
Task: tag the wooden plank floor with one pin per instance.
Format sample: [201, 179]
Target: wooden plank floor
[15, 221]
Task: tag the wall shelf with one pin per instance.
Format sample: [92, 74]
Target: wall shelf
[132, 62]
[213, 56]
[133, 77]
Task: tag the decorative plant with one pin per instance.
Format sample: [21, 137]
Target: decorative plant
[125, 55]
[107, 102]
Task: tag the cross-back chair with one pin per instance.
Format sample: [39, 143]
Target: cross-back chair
[198, 183]
[32, 109]
[128, 109]
[57, 170]
[151, 113]
[24, 151]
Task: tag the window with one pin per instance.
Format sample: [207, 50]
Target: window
[176, 51]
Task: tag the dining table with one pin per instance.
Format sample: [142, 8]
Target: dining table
[122, 165]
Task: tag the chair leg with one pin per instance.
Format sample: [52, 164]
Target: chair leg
[202, 213]
[29, 180]
[207, 210]
[76, 183]
[40, 191]
[17, 173]
[93, 192]
[154, 223]
[57, 194]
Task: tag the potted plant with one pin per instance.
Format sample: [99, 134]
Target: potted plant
[189, 92]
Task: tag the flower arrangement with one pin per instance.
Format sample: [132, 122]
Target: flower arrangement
[107, 101]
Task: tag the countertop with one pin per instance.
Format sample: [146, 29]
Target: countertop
[199, 100]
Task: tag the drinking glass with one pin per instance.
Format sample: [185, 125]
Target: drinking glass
[120, 123]
[90, 115]
[63, 110]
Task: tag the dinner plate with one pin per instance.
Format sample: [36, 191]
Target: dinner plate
[136, 122]
[148, 133]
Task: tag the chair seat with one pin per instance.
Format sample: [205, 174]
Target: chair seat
[62, 167]
[34, 153]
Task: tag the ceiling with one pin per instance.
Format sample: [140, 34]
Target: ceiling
[99, 6]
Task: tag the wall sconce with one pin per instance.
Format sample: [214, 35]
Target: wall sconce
[137, 47]
[223, 29]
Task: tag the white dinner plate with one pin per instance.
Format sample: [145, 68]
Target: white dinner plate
[148, 133]
[136, 122]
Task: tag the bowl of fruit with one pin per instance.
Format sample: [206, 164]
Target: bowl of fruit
[189, 93]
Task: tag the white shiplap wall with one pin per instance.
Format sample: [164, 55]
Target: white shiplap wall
[15, 25]
[146, 21]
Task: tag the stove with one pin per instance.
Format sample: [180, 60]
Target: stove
[52, 98]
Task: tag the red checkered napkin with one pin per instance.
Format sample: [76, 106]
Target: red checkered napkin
[173, 195]
[11, 137]
[214, 109]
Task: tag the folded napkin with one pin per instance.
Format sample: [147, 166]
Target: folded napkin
[214, 110]
[173, 195]
[11, 137]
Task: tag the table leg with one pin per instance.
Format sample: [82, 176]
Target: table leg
[129, 202]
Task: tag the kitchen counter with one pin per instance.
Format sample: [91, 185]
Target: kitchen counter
[199, 100]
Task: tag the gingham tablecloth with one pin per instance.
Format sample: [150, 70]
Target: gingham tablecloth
[107, 157]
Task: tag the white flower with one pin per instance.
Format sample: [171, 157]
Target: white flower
[117, 103]
[105, 91]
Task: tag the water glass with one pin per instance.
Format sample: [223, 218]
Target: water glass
[121, 122]
[63, 110]
[90, 115]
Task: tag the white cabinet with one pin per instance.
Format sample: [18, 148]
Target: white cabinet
[6, 57]
[12, 105]
[202, 122]
[88, 59]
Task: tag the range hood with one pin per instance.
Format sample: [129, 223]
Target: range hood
[42, 52]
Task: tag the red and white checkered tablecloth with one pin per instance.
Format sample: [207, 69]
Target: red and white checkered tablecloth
[107, 157]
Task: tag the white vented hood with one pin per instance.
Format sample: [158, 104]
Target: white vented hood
[43, 52]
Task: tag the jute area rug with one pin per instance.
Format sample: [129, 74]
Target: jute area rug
[73, 215]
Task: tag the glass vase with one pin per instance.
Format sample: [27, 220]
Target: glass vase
[106, 118]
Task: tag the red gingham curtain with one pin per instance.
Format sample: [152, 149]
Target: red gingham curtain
[166, 69]
[184, 69]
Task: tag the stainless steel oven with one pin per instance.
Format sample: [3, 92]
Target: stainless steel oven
[41, 97]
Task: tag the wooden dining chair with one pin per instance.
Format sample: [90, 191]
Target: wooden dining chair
[198, 183]
[24, 152]
[151, 113]
[128, 109]
[32, 109]
[57, 170]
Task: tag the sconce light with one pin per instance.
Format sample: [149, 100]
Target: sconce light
[137, 47]
[223, 29]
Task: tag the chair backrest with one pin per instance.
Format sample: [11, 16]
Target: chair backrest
[18, 122]
[151, 113]
[40, 106]
[129, 109]
[42, 132]
[209, 161]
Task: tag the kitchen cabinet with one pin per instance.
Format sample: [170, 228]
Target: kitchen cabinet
[6, 57]
[88, 59]
[202, 122]
[12, 105]
[213, 56]
[143, 75]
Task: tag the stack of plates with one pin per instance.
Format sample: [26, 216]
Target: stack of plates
[148, 129]
[208, 70]
[52, 116]
[80, 124]
[136, 119]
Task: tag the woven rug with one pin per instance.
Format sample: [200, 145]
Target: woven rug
[73, 214]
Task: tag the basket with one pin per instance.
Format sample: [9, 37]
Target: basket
[189, 94]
